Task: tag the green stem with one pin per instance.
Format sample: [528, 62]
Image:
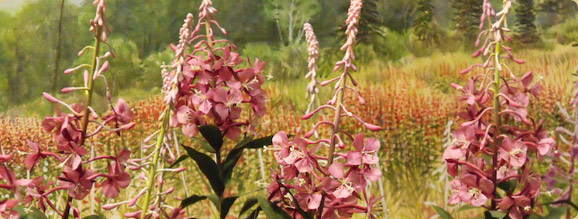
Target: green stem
[497, 121]
[337, 117]
[152, 172]
[86, 113]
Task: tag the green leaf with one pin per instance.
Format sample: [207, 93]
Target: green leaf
[271, 210]
[442, 213]
[94, 217]
[179, 160]
[495, 214]
[214, 199]
[192, 200]
[259, 142]
[29, 213]
[213, 136]
[230, 162]
[235, 154]
[466, 207]
[226, 205]
[508, 186]
[248, 205]
[556, 213]
[254, 214]
[209, 168]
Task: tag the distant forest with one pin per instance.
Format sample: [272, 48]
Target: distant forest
[42, 39]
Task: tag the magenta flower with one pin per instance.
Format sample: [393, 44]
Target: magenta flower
[513, 152]
[36, 155]
[76, 181]
[461, 142]
[365, 152]
[517, 206]
[189, 119]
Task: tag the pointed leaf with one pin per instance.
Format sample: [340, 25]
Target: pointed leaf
[254, 214]
[226, 205]
[209, 169]
[192, 200]
[259, 142]
[179, 160]
[495, 214]
[248, 205]
[213, 136]
[442, 213]
[271, 210]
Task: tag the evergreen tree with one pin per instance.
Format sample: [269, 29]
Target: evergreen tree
[525, 28]
[423, 19]
[368, 22]
[467, 17]
[555, 11]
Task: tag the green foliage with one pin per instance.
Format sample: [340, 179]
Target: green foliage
[467, 19]
[397, 15]
[289, 17]
[442, 213]
[423, 20]
[525, 28]
[564, 33]
[219, 172]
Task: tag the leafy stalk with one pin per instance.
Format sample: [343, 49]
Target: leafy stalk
[86, 112]
[154, 165]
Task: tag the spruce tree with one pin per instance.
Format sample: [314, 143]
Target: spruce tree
[368, 22]
[525, 28]
[423, 19]
[467, 17]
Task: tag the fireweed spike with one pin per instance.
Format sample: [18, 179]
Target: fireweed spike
[497, 125]
[312, 185]
[71, 132]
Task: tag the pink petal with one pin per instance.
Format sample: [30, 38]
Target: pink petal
[354, 158]
[337, 170]
[479, 200]
[314, 201]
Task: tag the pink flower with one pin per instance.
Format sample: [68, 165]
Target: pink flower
[466, 194]
[36, 155]
[545, 144]
[513, 152]
[365, 152]
[76, 181]
[190, 120]
[516, 205]
[461, 142]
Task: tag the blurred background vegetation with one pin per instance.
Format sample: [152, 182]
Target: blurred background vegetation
[39, 39]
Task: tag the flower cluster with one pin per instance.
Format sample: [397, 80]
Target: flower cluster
[203, 85]
[210, 87]
[328, 186]
[13, 186]
[313, 50]
[71, 131]
[497, 126]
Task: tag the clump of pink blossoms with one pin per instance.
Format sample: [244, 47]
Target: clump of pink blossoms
[71, 131]
[494, 145]
[207, 87]
[332, 186]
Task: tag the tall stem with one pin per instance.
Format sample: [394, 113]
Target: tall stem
[152, 172]
[58, 45]
[497, 121]
[337, 118]
[86, 113]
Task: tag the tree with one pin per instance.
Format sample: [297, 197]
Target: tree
[555, 11]
[525, 28]
[423, 19]
[289, 17]
[467, 17]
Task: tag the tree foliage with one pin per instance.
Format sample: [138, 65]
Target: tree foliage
[467, 17]
[525, 28]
